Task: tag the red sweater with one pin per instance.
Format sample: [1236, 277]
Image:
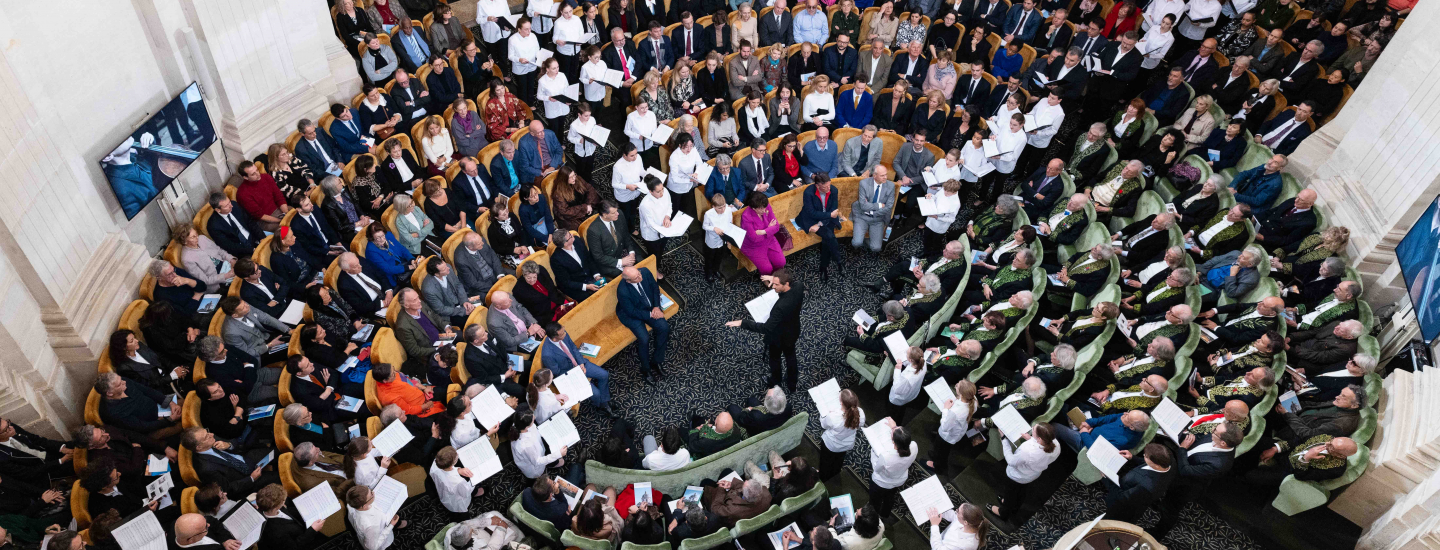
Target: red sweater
[259, 198]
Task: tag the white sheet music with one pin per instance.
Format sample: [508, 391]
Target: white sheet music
[760, 307]
[923, 496]
[661, 134]
[613, 78]
[318, 503]
[992, 149]
[390, 494]
[940, 392]
[862, 318]
[984, 168]
[734, 232]
[572, 91]
[930, 179]
[1073, 538]
[652, 171]
[678, 225]
[598, 133]
[559, 432]
[878, 434]
[702, 172]
[1010, 423]
[142, 533]
[543, 55]
[1171, 419]
[490, 408]
[491, 9]
[826, 397]
[245, 523]
[294, 313]
[1124, 326]
[1106, 458]
[927, 205]
[575, 386]
[391, 439]
[480, 458]
[898, 347]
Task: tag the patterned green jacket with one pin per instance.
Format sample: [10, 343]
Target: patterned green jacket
[1308, 251]
[1325, 467]
[1240, 365]
[1130, 403]
[1338, 311]
[1065, 223]
[1168, 330]
[1142, 296]
[1214, 398]
[878, 334]
[988, 229]
[1128, 187]
[1232, 237]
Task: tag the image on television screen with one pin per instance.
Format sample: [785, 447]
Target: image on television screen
[144, 164]
[1419, 255]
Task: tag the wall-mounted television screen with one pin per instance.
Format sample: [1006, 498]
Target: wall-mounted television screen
[1419, 255]
[145, 163]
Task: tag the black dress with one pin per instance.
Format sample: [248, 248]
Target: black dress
[784, 178]
[932, 123]
[965, 52]
[169, 340]
[349, 28]
[711, 86]
[543, 305]
[1326, 97]
[941, 36]
[505, 235]
[443, 215]
[389, 173]
[1158, 162]
[800, 65]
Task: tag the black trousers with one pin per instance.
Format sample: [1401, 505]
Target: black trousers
[931, 242]
[940, 452]
[829, 249]
[882, 499]
[1011, 493]
[525, 85]
[713, 256]
[830, 462]
[792, 365]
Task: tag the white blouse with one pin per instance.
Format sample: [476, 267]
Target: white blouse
[971, 157]
[1010, 144]
[530, 455]
[455, 491]
[583, 147]
[955, 537]
[465, 432]
[943, 172]
[653, 212]
[837, 437]
[890, 469]
[682, 166]
[1155, 13]
[1154, 47]
[527, 48]
[715, 219]
[491, 32]
[817, 101]
[1026, 463]
[372, 527]
[660, 461]
[544, 23]
[569, 29]
[627, 173]
[949, 204]
[955, 422]
[438, 149]
[906, 383]
[548, 90]
[638, 127]
[368, 471]
[1199, 9]
[547, 407]
[590, 75]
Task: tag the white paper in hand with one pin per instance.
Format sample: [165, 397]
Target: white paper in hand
[652, 171]
[661, 134]
[940, 392]
[702, 172]
[760, 307]
[921, 497]
[679, 223]
[245, 523]
[142, 533]
[991, 148]
[927, 205]
[294, 313]
[490, 408]
[826, 397]
[1010, 423]
[318, 503]
[898, 347]
[879, 435]
[1106, 458]
[575, 386]
[559, 432]
[734, 232]
[863, 319]
[572, 91]
[1171, 420]
[613, 78]
[390, 494]
[391, 439]
[480, 458]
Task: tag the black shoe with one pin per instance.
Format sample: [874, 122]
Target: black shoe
[659, 372]
[607, 411]
[825, 275]
[648, 379]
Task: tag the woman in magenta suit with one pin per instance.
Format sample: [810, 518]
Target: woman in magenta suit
[760, 227]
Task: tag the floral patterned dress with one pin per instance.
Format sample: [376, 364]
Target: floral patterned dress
[501, 114]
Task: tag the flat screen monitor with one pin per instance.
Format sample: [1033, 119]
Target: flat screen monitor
[146, 161]
[1419, 255]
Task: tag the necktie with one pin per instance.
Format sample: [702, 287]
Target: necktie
[624, 65]
[974, 83]
[1279, 134]
[759, 172]
[566, 349]
[351, 125]
[658, 62]
[613, 234]
[323, 155]
[1019, 28]
[374, 288]
[327, 467]
[544, 155]
[877, 193]
[315, 224]
[478, 189]
[236, 223]
[642, 294]
[1193, 118]
[235, 461]
[1190, 72]
[1089, 42]
[689, 46]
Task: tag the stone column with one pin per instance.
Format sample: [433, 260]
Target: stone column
[1375, 165]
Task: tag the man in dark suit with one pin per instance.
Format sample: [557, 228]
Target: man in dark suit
[478, 265]
[316, 242]
[1289, 222]
[25, 455]
[1167, 98]
[1039, 193]
[236, 371]
[840, 61]
[561, 355]
[972, 89]
[411, 101]
[637, 307]
[505, 170]
[366, 294]
[756, 171]
[1199, 66]
[1068, 76]
[609, 240]
[540, 500]
[320, 389]
[1284, 133]
[910, 64]
[689, 41]
[1021, 22]
[782, 329]
[1266, 55]
[620, 55]
[1143, 480]
[820, 216]
[655, 51]
[997, 97]
[1230, 89]
[351, 138]
[134, 408]
[1144, 242]
[989, 13]
[231, 227]
[1093, 41]
[1299, 69]
[777, 26]
[420, 450]
[472, 189]
[260, 289]
[574, 269]
[488, 364]
[1119, 66]
[317, 150]
[283, 524]
[238, 475]
[760, 415]
[1196, 467]
[1054, 33]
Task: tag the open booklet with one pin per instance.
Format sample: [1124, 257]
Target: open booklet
[826, 397]
[480, 458]
[490, 408]
[927, 495]
[1106, 458]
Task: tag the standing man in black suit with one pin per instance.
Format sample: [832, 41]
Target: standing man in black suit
[1068, 77]
[231, 227]
[972, 89]
[637, 306]
[1119, 65]
[777, 26]
[284, 527]
[1093, 41]
[1197, 466]
[573, 267]
[488, 363]
[1143, 480]
[609, 241]
[782, 328]
[1001, 95]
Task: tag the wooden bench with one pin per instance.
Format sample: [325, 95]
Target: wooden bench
[593, 321]
[788, 204]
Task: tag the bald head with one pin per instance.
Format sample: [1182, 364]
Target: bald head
[189, 528]
[1306, 198]
[630, 275]
[1271, 306]
[1344, 446]
[1236, 410]
[1158, 384]
[723, 423]
[1076, 202]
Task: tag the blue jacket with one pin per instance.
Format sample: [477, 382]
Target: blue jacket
[1292, 140]
[500, 176]
[312, 157]
[1012, 22]
[645, 56]
[538, 214]
[554, 359]
[1230, 152]
[347, 140]
[1110, 428]
[811, 211]
[849, 115]
[629, 305]
[313, 245]
[1002, 66]
[527, 156]
[837, 65]
[826, 161]
[391, 262]
[731, 187]
[1257, 189]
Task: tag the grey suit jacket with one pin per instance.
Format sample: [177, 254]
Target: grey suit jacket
[850, 154]
[909, 164]
[478, 271]
[504, 330]
[877, 79]
[1267, 64]
[740, 75]
[445, 300]
[864, 202]
[606, 250]
[747, 171]
[1235, 287]
[252, 340]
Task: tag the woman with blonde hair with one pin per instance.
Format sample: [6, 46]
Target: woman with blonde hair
[930, 118]
[819, 104]
[658, 98]
[954, 422]
[745, 28]
[774, 70]
[684, 94]
[1196, 123]
[291, 174]
[436, 145]
[1300, 262]
[412, 226]
[966, 534]
[202, 258]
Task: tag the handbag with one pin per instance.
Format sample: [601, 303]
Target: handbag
[1183, 175]
[782, 236]
[341, 432]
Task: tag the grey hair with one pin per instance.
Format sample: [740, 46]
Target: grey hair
[1144, 420]
[1026, 297]
[1098, 125]
[471, 238]
[303, 124]
[893, 308]
[1007, 206]
[870, 128]
[1243, 59]
[1033, 387]
[1333, 265]
[723, 160]
[1317, 43]
[459, 537]
[1064, 356]
[85, 435]
[694, 515]
[348, 259]
[1184, 313]
[1026, 255]
[1077, 52]
[157, 267]
[1353, 327]
[331, 185]
[971, 349]
[758, 143]
[1135, 162]
[209, 347]
[1360, 396]
[1166, 220]
[1104, 252]
[506, 145]
[775, 401]
[105, 381]
[1186, 276]
[306, 453]
[1166, 351]
[1366, 362]
[529, 267]
[402, 202]
[390, 414]
[471, 331]
[931, 282]
[292, 413]
[751, 491]
[1248, 258]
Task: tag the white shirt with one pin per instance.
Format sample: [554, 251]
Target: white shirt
[971, 157]
[626, 173]
[682, 166]
[1123, 124]
[1010, 144]
[438, 148]
[1144, 329]
[1133, 364]
[368, 471]
[530, 455]
[590, 74]
[455, 491]
[653, 212]
[715, 219]
[491, 32]
[906, 383]
[890, 469]
[583, 147]
[465, 432]
[1309, 318]
[527, 48]
[944, 173]
[954, 422]
[817, 101]
[1199, 9]
[837, 437]
[755, 119]
[1001, 250]
[949, 205]
[403, 168]
[569, 29]
[548, 406]
[1043, 111]
[1154, 46]
[1029, 460]
[410, 216]
[1155, 13]
[1152, 270]
[1204, 238]
[955, 537]
[203, 541]
[236, 223]
[639, 127]
[659, 460]
[372, 527]
[366, 284]
[1279, 133]
[545, 22]
[546, 91]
